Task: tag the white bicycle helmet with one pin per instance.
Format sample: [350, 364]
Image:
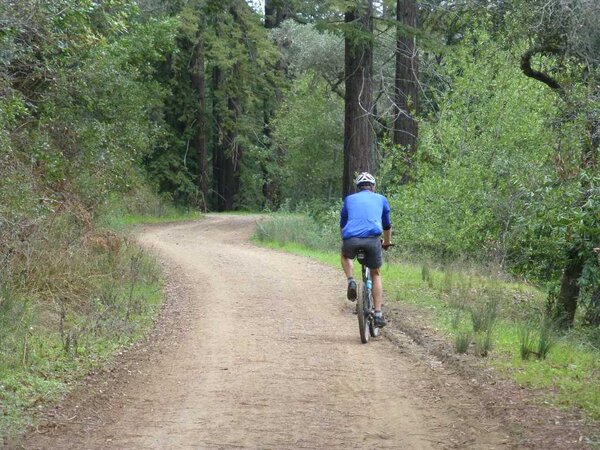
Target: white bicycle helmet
[364, 178]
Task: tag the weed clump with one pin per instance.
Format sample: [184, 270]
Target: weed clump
[484, 315]
[536, 338]
[462, 341]
[484, 343]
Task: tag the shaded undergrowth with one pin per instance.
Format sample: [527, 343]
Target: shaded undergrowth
[74, 290]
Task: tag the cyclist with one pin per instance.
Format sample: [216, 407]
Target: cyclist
[364, 217]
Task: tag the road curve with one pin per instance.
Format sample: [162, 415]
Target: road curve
[267, 355]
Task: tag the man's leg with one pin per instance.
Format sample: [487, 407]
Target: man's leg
[377, 288]
[378, 297]
[347, 266]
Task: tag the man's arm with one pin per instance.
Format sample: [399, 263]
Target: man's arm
[387, 223]
[343, 216]
[387, 237]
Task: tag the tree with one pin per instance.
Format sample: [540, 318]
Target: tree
[276, 11]
[221, 79]
[226, 112]
[197, 75]
[568, 33]
[406, 85]
[359, 141]
[244, 76]
[309, 125]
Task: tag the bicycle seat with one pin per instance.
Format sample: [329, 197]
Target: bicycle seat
[361, 255]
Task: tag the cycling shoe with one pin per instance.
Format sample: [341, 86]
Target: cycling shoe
[351, 294]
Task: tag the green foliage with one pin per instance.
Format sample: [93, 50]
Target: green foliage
[526, 341]
[498, 174]
[547, 339]
[309, 126]
[309, 50]
[537, 338]
[65, 305]
[81, 108]
[284, 228]
[484, 312]
[484, 343]
[241, 82]
[487, 186]
[455, 319]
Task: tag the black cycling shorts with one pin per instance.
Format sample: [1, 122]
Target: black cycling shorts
[372, 246]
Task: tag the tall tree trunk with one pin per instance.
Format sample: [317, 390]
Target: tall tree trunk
[276, 11]
[226, 150]
[233, 156]
[406, 128]
[200, 145]
[359, 152]
[219, 142]
[566, 302]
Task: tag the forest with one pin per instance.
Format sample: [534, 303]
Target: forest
[479, 118]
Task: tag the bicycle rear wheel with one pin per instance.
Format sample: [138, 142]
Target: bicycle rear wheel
[362, 311]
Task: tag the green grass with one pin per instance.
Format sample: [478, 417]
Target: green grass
[570, 372]
[35, 365]
[125, 221]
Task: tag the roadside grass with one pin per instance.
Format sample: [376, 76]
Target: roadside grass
[70, 301]
[120, 221]
[47, 345]
[477, 313]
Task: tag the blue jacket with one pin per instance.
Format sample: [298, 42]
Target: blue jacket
[364, 214]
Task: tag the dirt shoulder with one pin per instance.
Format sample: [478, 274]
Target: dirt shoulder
[259, 349]
[526, 412]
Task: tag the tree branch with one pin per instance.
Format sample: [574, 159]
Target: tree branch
[537, 75]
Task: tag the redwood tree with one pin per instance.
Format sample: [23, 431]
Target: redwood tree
[200, 140]
[276, 11]
[359, 137]
[406, 85]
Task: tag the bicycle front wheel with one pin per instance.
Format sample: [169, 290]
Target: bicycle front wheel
[362, 311]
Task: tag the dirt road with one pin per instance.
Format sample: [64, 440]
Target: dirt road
[259, 349]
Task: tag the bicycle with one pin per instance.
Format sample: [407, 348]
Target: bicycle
[365, 308]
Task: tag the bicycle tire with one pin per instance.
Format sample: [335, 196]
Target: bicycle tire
[363, 316]
[373, 330]
[368, 310]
